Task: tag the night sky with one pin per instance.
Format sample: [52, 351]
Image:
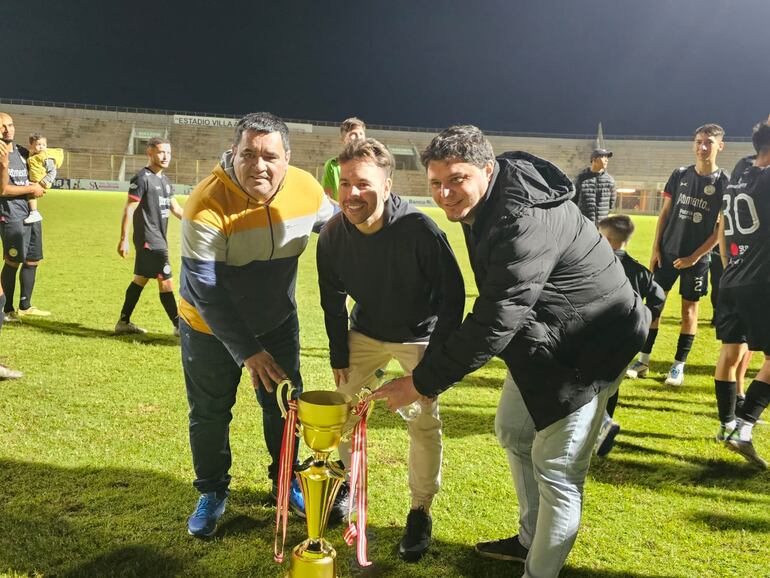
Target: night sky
[645, 67]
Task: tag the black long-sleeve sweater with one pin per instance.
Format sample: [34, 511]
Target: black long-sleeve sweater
[643, 283]
[404, 279]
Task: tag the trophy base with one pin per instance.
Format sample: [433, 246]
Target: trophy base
[313, 559]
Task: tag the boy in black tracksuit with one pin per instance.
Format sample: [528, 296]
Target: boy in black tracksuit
[618, 230]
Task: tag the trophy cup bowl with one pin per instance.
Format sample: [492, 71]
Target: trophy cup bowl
[323, 415]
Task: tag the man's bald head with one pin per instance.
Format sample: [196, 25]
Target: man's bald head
[7, 130]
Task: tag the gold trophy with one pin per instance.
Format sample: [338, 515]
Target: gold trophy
[323, 415]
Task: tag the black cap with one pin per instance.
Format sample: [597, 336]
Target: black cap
[601, 153]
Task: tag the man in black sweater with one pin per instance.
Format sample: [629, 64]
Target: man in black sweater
[409, 295]
[555, 306]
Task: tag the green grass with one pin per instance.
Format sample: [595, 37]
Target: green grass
[96, 473]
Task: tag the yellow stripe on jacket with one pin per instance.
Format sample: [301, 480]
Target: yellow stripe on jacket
[247, 249]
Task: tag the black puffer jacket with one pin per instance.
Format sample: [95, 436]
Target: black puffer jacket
[553, 302]
[595, 194]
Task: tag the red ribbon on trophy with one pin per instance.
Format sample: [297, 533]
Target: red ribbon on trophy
[285, 467]
[358, 486]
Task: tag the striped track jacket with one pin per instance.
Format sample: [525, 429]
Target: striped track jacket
[240, 256]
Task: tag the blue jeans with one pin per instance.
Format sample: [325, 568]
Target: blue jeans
[549, 469]
[212, 376]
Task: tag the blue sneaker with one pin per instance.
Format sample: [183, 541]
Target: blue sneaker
[202, 523]
[296, 499]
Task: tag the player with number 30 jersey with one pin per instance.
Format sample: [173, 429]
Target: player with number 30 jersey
[744, 297]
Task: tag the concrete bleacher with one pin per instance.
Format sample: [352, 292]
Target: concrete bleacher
[98, 144]
[653, 161]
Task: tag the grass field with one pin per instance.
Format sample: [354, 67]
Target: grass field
[96, 472]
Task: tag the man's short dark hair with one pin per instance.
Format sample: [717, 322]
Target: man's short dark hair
[619, 228]
[157, 141]
[36, 136]
[761, 138]
[350, 123]
[465, 143]
[263, 122]
[368, 149]
[710, 129]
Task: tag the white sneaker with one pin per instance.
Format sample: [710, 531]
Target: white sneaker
[637, 370]
[723, 433]
[126, 328]
[8, 373]
[746, 449]
[34, 217]
[12, 317]
[675, 376]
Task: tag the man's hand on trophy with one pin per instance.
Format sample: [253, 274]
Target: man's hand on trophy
[341, 375]
[398, 393]
[264, 370]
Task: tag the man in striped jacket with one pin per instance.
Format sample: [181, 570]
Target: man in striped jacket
[243, 230]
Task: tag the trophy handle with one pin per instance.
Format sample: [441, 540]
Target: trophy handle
[359, 397]
[279, 395]
[354, 410]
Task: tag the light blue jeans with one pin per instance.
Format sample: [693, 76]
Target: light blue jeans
[549, 469]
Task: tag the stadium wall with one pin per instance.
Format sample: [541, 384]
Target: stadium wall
[106, 146]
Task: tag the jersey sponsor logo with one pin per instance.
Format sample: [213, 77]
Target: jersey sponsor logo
[693, 201]
[18, 176]
[167, 269]
[697, 217]
[133, 186]
[13, 251]
[736, 249]
[683, 184]
[709, 189]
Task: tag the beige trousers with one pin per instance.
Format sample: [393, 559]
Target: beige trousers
[367, 355]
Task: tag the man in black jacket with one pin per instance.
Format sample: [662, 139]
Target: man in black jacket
[398, 267]
[595, 188]
[555, 306]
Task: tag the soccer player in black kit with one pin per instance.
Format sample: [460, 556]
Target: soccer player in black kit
[685, 234]
[744, 297]
[149, 202]
[22, 243]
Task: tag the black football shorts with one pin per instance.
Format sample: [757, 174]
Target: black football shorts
[152, 264]
[22, 242]
[743, 316]
[693, 281]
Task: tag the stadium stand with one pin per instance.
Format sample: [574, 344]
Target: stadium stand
[109, 145]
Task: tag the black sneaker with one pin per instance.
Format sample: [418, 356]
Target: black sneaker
[417, 535]
[340, 506]
[606, 439]
[505, 549]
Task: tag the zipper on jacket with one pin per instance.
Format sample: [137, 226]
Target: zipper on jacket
[272, 239]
